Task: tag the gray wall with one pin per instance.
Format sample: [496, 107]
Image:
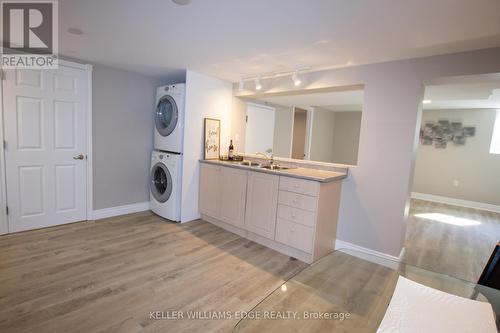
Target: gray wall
[375, 196]
[335, 136]
[123, 105]
[322, 134]
[476, 170]
[283, 128]
[346, 137]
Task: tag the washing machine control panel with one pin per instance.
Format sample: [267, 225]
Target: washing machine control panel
[162, 156]
[172, 88]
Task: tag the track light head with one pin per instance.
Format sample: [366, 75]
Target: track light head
[258, 86]
[296, 79]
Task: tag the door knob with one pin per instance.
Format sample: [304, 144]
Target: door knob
[79, 157]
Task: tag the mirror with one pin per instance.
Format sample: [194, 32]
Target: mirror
[318, 126]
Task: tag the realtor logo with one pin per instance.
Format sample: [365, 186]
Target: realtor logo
[29, 34]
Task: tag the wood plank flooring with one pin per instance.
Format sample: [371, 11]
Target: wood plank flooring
[345, 285]
[107, 276]
[458, 251]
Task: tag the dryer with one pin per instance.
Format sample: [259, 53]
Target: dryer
[169, 118]
[165, 185]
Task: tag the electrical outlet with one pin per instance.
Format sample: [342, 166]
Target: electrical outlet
[456, 183]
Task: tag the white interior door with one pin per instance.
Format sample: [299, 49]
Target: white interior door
[259, 134]
[45, 122]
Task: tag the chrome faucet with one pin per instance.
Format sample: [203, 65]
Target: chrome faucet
[269, 157]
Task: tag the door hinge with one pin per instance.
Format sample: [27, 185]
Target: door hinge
[4, 144]
[246, 119]
[6, 210]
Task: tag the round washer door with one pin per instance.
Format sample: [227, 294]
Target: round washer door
[161, 182]
[167, 115]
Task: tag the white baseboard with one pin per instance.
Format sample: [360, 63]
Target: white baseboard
[119, 210]
[364, 253]
[456, 202]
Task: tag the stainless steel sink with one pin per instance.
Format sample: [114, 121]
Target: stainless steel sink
[275, 167]
[252, 164]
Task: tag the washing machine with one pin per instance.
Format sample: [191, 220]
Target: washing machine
[165, 185]
[169, 118]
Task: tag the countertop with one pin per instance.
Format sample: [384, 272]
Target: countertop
[303, 173]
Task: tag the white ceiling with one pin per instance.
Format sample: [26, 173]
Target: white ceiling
[230, 39]
[472, 93]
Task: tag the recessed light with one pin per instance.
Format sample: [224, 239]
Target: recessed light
[182, 2]
[426, 101]
[75, 31]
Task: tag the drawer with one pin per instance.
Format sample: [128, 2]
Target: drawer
[298, 200]
[302, 186]
[294, 235]
[296, 215]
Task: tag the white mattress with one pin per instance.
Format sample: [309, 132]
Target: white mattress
[418, 308]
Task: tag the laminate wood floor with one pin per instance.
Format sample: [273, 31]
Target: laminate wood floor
[107, 276]
[451, 248]
[343, 284]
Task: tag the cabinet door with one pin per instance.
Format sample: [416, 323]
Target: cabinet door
[209, 201]
[262, 201]
[233, 196]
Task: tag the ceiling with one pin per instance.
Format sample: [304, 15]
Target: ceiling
[474, 92]
[230, 39]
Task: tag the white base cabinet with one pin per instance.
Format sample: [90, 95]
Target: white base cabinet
[223, 193]
[294, 216]
[233, 193]
[209, 200]
[261, 205]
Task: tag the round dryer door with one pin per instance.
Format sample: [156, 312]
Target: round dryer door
[161, 182]
[167, 115]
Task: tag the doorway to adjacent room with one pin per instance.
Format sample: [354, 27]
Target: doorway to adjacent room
[454, 220]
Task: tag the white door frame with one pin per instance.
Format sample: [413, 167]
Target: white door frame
[309, 130]
[4, 222]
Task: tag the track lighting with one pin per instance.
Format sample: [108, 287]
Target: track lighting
[295, 78]
[295, 75]
[258, 86]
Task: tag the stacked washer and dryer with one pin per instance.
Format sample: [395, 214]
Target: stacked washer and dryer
[166, 158]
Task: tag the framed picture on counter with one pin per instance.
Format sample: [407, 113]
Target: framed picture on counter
[212, 139]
